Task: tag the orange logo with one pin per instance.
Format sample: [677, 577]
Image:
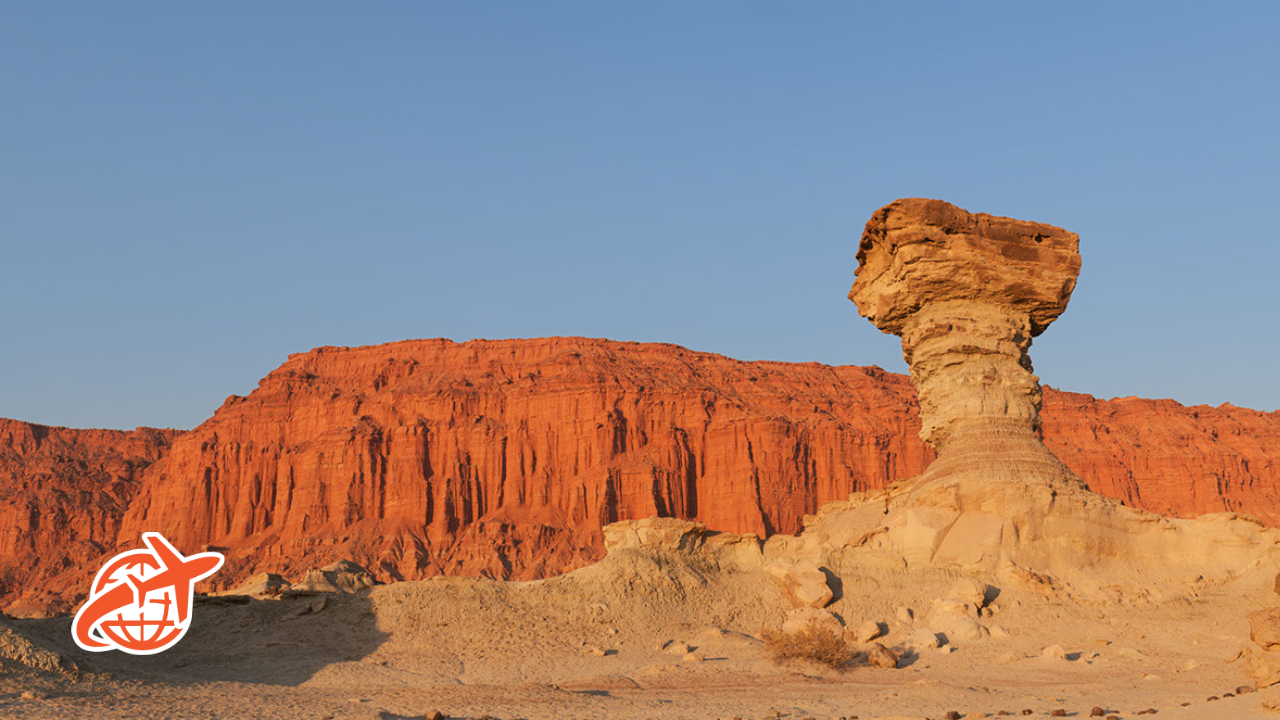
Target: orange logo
[140, 602]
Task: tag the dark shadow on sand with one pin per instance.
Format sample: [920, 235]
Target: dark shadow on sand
[284, 641]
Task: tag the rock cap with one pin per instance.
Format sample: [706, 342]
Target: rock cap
[918, 251]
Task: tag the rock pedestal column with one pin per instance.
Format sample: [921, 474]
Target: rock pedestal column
[967, 293]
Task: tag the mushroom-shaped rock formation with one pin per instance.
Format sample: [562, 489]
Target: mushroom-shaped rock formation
[967, 292]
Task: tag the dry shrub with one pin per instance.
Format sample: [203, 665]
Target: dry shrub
[814, 642]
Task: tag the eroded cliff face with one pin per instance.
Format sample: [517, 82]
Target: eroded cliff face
[1167, 458]
[505, 458]
[63, 493]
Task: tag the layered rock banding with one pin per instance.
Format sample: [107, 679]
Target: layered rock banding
[967, 293]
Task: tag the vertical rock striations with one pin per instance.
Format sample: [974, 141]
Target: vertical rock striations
[63, 493]
[505, 458]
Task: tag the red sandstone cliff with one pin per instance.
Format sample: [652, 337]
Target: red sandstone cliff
[504, 458]
[63, 493]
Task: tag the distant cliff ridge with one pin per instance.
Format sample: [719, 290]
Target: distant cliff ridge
[63, 493]
[505, 458]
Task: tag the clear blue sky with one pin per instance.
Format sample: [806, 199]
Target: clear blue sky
[191, 191]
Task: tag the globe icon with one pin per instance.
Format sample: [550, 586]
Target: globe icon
[146, 624]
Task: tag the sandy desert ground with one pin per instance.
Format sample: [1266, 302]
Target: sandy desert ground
[607, 642]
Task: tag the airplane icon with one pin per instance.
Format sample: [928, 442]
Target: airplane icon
[179, 572]
[115, 615]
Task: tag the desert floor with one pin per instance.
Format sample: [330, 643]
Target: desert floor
[591, 645]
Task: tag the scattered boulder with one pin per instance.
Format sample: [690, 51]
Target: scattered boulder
[971, 591]
[881, 657]
[343, 576]
[1262, 668]
[803, 582]
[955, 619]
[1054, 652]
[801, 618]
[868, 631]
[654, 533]
[263, 584]
[924, 638]
[1264, 627]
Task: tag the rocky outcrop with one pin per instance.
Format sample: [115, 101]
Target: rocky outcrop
[63, 493]
[967, 293]
[505, 458]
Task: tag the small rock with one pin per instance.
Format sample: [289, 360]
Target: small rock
[867, 631]
[1212, 698]
[1054, 652]
[1264, 668]
[434, 715]
[970, 591]
[594, 651]
[924, 638]
[678, 648]
[803, 582]
[1148, 711]
[956, 620]
[34, 695]
[1264, 627]
[1026, 711]
[693, 657]
[881, 656]
[1058, 713]
[1244, 690]
[801, 618]
[952, 715]
[905, 615]
[1097, 712]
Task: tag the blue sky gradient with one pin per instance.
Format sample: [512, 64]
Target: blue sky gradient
[188, 193]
